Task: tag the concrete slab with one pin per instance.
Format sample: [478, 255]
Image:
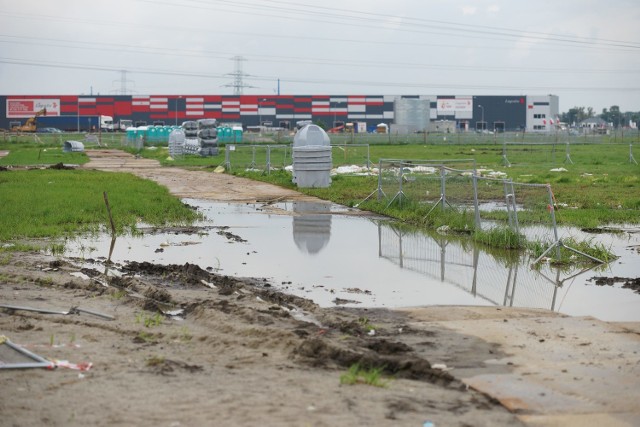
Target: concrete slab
[562, 370]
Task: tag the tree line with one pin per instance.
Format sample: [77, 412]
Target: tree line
[612, 115]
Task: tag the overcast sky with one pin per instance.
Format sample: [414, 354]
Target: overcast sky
[587, 52]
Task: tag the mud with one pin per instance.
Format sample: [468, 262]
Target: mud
[232, 343]
[627, 283]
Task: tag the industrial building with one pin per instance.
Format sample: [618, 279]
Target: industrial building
[401, 113]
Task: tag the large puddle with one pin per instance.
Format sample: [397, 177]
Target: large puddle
[320, 252]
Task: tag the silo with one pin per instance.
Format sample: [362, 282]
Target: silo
[411, 115]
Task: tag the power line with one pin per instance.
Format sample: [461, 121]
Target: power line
[322, 81]
[151, 50]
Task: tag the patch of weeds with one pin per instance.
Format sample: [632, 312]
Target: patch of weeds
[358, 375]
[364, 322]
[185, 335]
[145, 337]
[155, 361]
[119, 294]
[500, 237]
[569, 257]
[55, 249]
[44, 281]
[5, 260]
[149, 321]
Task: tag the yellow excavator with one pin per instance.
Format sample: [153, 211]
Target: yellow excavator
[30, 124]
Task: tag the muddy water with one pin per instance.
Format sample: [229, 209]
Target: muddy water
[320, 252]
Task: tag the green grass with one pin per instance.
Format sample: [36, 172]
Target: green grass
[57, 203]
[25, 156]
[600, 187]
[149, 321]
[359, 375]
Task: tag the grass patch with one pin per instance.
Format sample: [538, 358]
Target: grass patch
[501, 237]
[26, 156]
[569, 257]
[149, 321]
[359, 375]
[155, 361]
[57, 203]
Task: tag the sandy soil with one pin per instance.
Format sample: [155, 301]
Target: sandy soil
[238, 354]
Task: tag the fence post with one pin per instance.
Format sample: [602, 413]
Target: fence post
[368, 158]
[227, 160]
[567, 158]
[268, 160]
[515, 207]
[443, 195]
[475, 200]
[508, 202]
[505, 161]
[380, 180]
[552, 210]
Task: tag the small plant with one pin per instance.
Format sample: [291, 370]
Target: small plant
[119, 294]
[155, 361]
[56, 249]
[358, 375]
[149, 321]
[501, 238]
[146, 337]
[185, 335]
[364, 322]
[568, 257]
[5, 260]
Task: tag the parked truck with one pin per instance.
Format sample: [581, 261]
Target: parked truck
[124, 124]
[77, 123]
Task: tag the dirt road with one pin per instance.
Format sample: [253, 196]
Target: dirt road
[236, 352]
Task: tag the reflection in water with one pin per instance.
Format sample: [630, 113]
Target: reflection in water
[311, 226]
[332, 254]
[498, 279]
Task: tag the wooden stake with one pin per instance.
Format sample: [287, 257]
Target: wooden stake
[106, 202]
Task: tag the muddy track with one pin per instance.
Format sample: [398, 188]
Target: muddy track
[191, 346]
[201, 184]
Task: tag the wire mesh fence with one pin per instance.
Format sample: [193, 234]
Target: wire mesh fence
[264, 158]
[492, 199]
[503, 280]
[267, 157]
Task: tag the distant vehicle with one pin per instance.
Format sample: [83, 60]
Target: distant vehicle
[140, 123]
[124, 124]
[30, 124]
[158, 122]
[106, 124]
[48, 130]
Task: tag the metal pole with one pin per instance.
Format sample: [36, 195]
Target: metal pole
[476, 204]
[507, 197]
[515, 207]
[552, 209]
[268, 160]
[379, 179]
[442, 186]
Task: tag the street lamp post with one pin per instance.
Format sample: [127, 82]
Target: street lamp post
[260, 101]
[176, 108]
[482, 120]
